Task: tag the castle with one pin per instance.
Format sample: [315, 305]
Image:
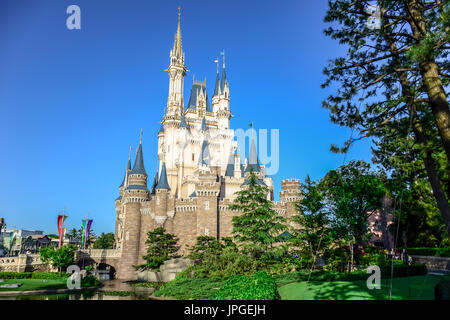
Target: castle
[199, 171]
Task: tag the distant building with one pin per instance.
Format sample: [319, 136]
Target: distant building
[379, 222]
[12, 240]
[33, 243]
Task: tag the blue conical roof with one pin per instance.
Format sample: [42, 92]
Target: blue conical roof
[138, 167]
[155, 182]
[193, 195]
[253, 159]
[161, 129]
[195, 91]
[162, 183]
[230, 167]
[205, 156]
[224, 80]
[126, 172]
[217, 86]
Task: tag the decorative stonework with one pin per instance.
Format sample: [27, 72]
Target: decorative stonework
[160, 219]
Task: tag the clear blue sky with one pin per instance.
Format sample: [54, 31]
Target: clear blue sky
[72, 102]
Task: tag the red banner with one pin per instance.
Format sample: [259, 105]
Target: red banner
[61, 219]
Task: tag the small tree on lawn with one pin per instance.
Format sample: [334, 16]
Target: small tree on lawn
[311, 234]
[259, 226]
[161, 247]
[58, 257]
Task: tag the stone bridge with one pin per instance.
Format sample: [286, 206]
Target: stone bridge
[102, 258]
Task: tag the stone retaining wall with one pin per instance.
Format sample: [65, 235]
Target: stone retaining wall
[433, 263]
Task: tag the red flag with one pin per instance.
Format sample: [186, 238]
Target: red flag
[61, 219]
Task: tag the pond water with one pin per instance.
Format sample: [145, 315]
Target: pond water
[138, 293]
[83, 295]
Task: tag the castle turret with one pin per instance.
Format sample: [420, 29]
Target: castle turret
[177, 71]
[289, 194]
[253, 162]
[223, 112]
[216, 96]
[134, 195]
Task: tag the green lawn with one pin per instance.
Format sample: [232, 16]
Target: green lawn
[35, 284]
[407, 288]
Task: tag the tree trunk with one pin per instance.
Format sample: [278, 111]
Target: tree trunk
[430, 167]
[430, 164]
[430, 77]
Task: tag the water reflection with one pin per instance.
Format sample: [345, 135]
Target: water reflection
[82, 295]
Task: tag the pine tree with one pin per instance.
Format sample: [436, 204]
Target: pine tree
[311, 234]
[259, 226]
[161, 247]
[392, 75]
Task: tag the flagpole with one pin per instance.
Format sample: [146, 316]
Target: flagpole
[85, 231]
[62, 226]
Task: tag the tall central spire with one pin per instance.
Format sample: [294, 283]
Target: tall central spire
[177, 45]
[177, 70]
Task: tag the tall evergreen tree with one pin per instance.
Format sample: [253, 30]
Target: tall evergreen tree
[399, 70]
[259, 226]
[311, 233]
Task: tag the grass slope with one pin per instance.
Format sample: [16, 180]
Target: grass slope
[35, 284]
[408, 288]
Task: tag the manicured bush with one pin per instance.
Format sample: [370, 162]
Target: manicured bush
[32, 275]
[439, 252]
[260, 286]
[403, 270]
[442, 290]
[48, 275]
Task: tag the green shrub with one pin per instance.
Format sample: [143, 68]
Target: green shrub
[185, 288]
[33, 275]
[402, 270]
[145, 284]
[49, 275]
[16, 275]
[260, 286]
[439, 252]
[90, 281]
[442, 290]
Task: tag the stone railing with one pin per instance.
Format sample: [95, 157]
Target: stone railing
[21, 263]
[432, 262]
[101, 253]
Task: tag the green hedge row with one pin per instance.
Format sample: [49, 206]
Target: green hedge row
[33, 275]
[439, 252]
[260, 286]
